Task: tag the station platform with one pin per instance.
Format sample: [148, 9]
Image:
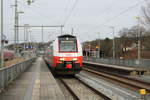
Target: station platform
[36, 83]
[119, 69]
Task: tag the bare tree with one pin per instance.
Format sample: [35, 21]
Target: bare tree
[123, 38]
[146, 13]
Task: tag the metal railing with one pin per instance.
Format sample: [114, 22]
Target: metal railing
[8, 74]
[144, 63]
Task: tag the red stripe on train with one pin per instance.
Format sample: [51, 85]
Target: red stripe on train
[57, 60]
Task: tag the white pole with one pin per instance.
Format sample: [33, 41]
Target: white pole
[61, 30]
[2, 42]
[72, 31]
[113, 41]
[99, 49]
[24, 34]
[42, 35]
[16, 22]
[139, 41]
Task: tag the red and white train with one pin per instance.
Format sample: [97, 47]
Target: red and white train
[64, 55]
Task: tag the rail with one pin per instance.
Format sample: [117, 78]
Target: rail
[134, 83]
[85, 84]
[144, 63]
[8, 74]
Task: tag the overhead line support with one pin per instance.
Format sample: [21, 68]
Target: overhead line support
[42, 26]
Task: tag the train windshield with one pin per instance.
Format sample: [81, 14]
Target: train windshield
[68, 46]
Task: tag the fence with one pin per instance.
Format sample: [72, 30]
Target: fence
[8, 74]
[145, 63]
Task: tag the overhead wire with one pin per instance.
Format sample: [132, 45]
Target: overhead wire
[65, 10]
[70, 12]
[36, 12]
[106, 9]
[67, 6]
[121, 13]
[40, 15]
[118, 15]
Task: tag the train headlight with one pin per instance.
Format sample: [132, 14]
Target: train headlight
[74, 59]
[62, 59]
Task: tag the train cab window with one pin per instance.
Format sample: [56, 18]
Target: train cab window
[68, 45]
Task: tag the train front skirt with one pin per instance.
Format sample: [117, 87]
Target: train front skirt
[67, 68]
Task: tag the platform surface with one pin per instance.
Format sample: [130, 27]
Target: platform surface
[116, 66]
[36, 83]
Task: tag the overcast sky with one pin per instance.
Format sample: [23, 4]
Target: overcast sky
[88, 17]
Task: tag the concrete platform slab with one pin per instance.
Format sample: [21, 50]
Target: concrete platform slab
[121, 69]
[36, 83]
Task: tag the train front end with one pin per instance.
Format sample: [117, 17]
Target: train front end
[67, 55]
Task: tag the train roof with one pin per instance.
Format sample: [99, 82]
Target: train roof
[66, 35]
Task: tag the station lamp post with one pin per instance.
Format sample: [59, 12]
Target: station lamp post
[16, 37]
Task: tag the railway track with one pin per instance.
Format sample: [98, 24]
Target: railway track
[82, 91]
[133, 83]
